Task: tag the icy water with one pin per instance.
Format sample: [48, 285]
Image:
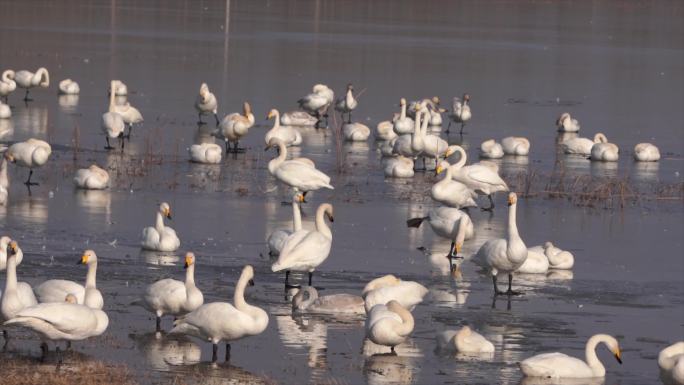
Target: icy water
[616, 66]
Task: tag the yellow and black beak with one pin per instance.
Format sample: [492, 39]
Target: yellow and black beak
[618, 356]
[168, 214]
[188, 262]
[439, 170]
[268, 146]
[83, 260]
[300, 198]
[330, 217]
[510, 202]
[12, 247]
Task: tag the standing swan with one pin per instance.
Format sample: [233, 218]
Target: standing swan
[646, 152]
[318, 102]
[346, 104]
[160, 237]
[27, 79]
[582, 146]
[92, 178]
[112, 124]
[460, 112]
[515, 145]
[206, 104]
[389, 325]
[671, 363]
[29, 153]
[299, 173]
[129, 114]
[173, 297]
[55, 290]
[504, 255]
[559, 365]
[7, 84]
[69, 87]
[449, 223]
[308, 301]
[17, 295]
[289, 135]
[450, 192]
[221, 321]
[305, 250]
[277, 239]
[566, 123]
[234, 126]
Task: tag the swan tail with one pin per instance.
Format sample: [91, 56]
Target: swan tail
[415, 222]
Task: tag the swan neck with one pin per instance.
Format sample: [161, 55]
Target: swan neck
[403, 111]
[304, 303]
[4, 180]
[276, 124]
[592, 360]
[112, 96]
[407, 323]
[321, 226]
[91, 276]
[462, 160]
[190, 276]
[159, 225]
[512, 224]
[11, 282]
[296, 216]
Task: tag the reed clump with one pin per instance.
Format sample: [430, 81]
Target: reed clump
[26, 371]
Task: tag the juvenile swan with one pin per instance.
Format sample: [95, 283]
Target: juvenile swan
[389, 325]
[92, 178]
[160, 237]
[308, 301]
[582, 146]
[55, 290]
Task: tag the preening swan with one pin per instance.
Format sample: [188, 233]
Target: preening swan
[671, 363]
[92, 178]
[646, 152]
[403, 125]
[119, 87]
[398, 166]
[129, 114]
[277, 239]
[4, 187]
[5, 111]
[289, 135]
[297, 118]
[209, 153]
[221, 321]
[490, 149]
[460, 112]
[449, 223]
[206, 104]
[69, 87]
[308, 301]
[4, 243]
[55, 290]
[385, 130]
[515, 145]
[172, 297]
[559, 365]
[606, 152]
[464, 340]
[17, 295]
[558, 259]
[535, 263]
[504, 255]
[235, 126]
[450, 192]
[355, 132]
[566, 123]
[27, 80]
[296, 173]
[160, 237]
[30, 153]
[389, 325]
[582, 146]
[318, 102]
[346, 104]
[415, 105]
[388, 287]
[7, 84]
[305, 250]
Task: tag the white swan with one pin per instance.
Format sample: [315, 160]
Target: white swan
[559, 365]
[235, 126]
[558, 259]
[5, 111]
[305, 250]
[460, 112]
[7, 84]
[277, 239]
[346, 104]
[415, 105]
[385, 130]
[381, 290]
[515, 145]
[646, 152]
[410, 145]
[450, 192]
[172, 297]
[308, 301]
[490, 149]
[69, 87]
[289, 135]
[120, 88]
[209, 153]
[582, 146]
[464, 340]
[389, 325]
[318, 102]
[112, 124]
[17, 295]
[355, 132]
[297, 173]
[606, 152]
[27, 80]
[398, 166]
[205, 103]
[480, 178]
[160, 237]
[403, 125]
[129, 114]
[297, 118]
[30, 153]
[535, 263]
[504, 255]
[221, 321]
[92, 178]
[433, 146]
[4, 243]
[566, 123]
[4, 184]
[671, 363]
[55, 290]
[449, 223]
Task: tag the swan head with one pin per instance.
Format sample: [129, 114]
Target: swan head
[548, 245]
[204, 89]
[613, 346]
[165, 210]
[329, 213]
[272, 114]
[70, 298]
[12, 248]
[512, 198]
[466, 97]
[435, 100]
[248, 273]
[274, 143]
[451, 150]
[440, 169]
[88, 257]
[561, 118]
[298, 198]
[246, 108]
[189, 259]
[402, 102]
[350, 87]
[320, 88]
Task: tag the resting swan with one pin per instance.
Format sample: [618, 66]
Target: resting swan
[7, 84]
[398, 166]
[504, 255]
[646, 152]
[566, 123]
[55, 290]
[297, 118]
[5, 111]
[208, 153]
[308, 301]
[92, 178]
[160, 237]
[490, 149]
[120, 88]
[582, 146]
[221, 321]
[451, 193]
[559, 365]
[464, 340]
[305, 250]
[17, 295]
[288, 135]
[235, 126]
[355, 132]
[535, 263]
[515, 145]
[277, 239]
[206, 104]
[606, 152]
[30, 153]
[385, 131]
[347, 104]
[27, 80]
[172, 297]
[299, 174]
[4, 186]
[389, 325]
[4, 243]
[69, 87]
[671, 363]
[460, 112]
[387, 288]
[449, 223]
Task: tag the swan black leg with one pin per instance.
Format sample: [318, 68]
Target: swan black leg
[237, 149]
[214, 355]
[158, 324]
[287, 281]
[462, 125]
[123, 141]
[349, 116]
[28, 181]
[217, 119]
[199, 119]
[225, 142]
[310, 277]
[491, 204]
[26, 96]
[510, 290]
[130, 130]
[108, 146]
[227, 352]
[448, 127]
[43, 351]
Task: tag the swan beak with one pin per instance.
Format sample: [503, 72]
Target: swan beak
[83, 261]
[300, 198]
[330, 217]
[510, 202]
[618, 356]
[439, 170]
[267, 147]
[188, 262]
[12, 247]
[168, 215]
[251, 282]
[9, 157]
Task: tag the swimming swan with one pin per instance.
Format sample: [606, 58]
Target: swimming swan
[515, 145]
[308, 301]
[7, 84]
[289, 135]
[582, 146]
[297, 173]
[160, 237]
[172, 297]
[30, 153]
[559, 365]
[389, 325]
[17, 295]
[490, 149]
[504, 255]
[92, 178]
[388, 287]
[464, 340]
[208, 153]
[277, 239]
[27, 80]
[450, 192]
[646, 152]
[460, 112]
[671, 363]
[221, 321]
[69, 87]
[346, 104]
[55, 290]
[235, 126]
[305, 250]
[206, 104]
[566, 123]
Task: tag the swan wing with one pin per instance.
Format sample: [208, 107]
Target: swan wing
[66, 317]
[307, 250]
[56, 290]
[26, 296]
[483, 174]
[555, 365]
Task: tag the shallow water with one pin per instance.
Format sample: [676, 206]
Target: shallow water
[616, 66]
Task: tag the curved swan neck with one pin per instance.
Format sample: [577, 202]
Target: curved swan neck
[600, 138]
[307, 297]
[590, 352]
[321, 226]
[159, 224]
[276, 124]
[296, 216]
[91, 276]
[462, 160]
[407, 323]
[403, 111]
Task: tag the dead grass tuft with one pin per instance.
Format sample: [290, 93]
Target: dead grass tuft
[24, 371]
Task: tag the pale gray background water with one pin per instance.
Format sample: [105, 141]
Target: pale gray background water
[616, 66]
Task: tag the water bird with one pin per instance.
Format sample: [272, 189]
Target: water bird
[389, 325]
[26, 79]
[54, 290]
[160, 237]
[30, 153]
